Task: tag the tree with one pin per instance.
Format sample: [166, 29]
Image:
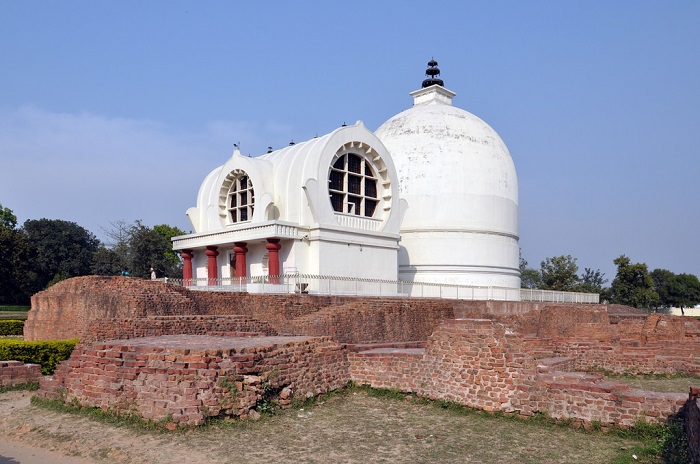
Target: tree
[529, 278]
[684, 291]
[592, 282]
[7, 218]
[108, 262]
[633, 285]
[559, 273]
[153, 249]
[662, 280]
[168, 232]
[16, 275]
[61, 249]
[137, 248]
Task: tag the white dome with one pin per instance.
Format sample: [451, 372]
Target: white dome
[460, 183]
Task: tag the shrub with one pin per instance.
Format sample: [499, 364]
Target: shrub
[47, 353]
[11, 327]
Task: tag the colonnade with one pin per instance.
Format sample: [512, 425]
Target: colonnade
[239, 249]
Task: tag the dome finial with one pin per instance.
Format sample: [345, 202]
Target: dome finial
[431, 73]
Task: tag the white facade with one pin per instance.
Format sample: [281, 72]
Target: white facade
[431, 197]
[331, 202]
[460, 183]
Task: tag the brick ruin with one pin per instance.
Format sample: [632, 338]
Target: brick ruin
[13, 373]
[170, 354]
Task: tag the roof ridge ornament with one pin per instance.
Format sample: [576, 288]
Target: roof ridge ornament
[432, 72]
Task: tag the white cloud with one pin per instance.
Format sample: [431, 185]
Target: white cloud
[93, 170]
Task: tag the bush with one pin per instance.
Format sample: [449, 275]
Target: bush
[47, 353]
[11, 327]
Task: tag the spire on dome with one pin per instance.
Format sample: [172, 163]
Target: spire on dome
[431, 73]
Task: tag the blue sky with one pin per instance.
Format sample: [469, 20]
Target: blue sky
[117, 110]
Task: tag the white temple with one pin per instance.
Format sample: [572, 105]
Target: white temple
[431, 196]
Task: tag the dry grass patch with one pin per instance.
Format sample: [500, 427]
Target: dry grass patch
[671, 383]
[354, 426]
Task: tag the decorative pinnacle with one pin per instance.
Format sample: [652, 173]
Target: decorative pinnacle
[432, 72]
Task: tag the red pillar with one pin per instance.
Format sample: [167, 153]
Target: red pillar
[187, 267]
[212, 268]
[273, 259]
[240, 250]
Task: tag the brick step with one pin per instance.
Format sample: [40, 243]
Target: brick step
[561, 363]
[356, 347]
[388, 351]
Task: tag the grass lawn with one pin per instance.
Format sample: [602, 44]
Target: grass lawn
[14, 312]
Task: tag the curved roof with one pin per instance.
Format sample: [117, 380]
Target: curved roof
[455, 171]
[291, 184]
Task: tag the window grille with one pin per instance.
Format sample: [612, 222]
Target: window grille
[352, 186]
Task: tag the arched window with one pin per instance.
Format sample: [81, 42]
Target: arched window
[241, 199]
[352, 185]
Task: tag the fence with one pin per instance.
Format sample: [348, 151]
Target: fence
[334, 285]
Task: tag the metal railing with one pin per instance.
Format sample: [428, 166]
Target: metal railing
[334, 285]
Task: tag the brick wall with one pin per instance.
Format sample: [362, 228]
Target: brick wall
[469, 361]
[668, 357]
[15, 372]
[152, 326]
[66, 309]
[488, 361]
[186, 378]
[588, 398]
[479, 364]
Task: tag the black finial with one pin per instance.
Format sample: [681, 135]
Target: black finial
[291, 143]
[269, 149]
[431, 73]
[344, 125]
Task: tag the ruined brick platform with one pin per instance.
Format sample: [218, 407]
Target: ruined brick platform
[476, 362]
[187, 378]
[16, 373]
[167, 353]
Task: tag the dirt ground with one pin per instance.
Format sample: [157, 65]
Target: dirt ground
[353, 427]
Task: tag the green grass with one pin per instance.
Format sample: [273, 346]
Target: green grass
[15, 308]
[28, 386]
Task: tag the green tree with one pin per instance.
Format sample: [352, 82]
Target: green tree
[168, 232]
[151, 248]
[529, 278]
[633, 285]
[7, 218]
[108, 262]
[662, 280]
[592, 282]
[61, 249]
[684, 291]
[559, 273]
[137, 248]
[16, 275]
